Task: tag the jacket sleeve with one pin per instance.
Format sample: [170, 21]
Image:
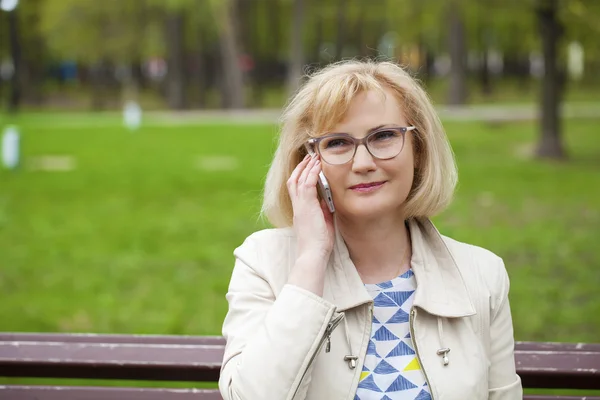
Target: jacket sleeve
[504, 383]
[270, 338]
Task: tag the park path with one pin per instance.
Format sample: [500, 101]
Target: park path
[486, 113]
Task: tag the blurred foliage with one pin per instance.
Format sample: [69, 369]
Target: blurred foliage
[87, 30]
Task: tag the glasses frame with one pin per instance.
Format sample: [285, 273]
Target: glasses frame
[314, 142]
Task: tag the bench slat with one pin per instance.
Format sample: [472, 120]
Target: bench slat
[220, 341]
[95, 357]
[538, 397]
[111, 361]
[111, 338]
[104, 393]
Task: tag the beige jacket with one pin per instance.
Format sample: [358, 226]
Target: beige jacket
[284, 342]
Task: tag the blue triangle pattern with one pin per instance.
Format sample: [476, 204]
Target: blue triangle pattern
[385, 398]
[401, 350]
[375, 320]
[399, 384]
[383, 334]
[385, 285]
[383, 301]
[371, 349]
[407, 274]
[356, 397]
[407, 335]
[423, 395]
[369, 383]
[384, 368]
[400, 316]
[399, 297]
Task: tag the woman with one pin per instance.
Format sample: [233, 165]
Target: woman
[369, 302]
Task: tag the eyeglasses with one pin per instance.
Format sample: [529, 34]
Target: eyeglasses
[340, 148]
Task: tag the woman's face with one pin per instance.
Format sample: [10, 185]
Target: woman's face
[390, 180]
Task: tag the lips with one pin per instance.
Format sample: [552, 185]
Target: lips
[367, 185]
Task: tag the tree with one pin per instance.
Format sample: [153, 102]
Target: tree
[232, 80]
[296, 60]
[458, 54]
[550, 143]
[14, 99]
[176, 76]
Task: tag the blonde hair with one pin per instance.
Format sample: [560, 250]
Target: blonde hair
[323, 101]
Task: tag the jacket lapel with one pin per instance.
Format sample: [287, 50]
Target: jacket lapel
[440, 291]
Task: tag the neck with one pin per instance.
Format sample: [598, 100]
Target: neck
[380, 248]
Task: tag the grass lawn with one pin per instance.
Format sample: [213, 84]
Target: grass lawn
[138, 236]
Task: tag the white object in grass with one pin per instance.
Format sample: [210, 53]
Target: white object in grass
[8, 5]
[10, 147]
[132, 115]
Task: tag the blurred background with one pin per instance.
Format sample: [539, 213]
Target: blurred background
[136, 136]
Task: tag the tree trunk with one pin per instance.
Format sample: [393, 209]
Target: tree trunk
[296, 61]
[484, 73]
[232, 78]
[176, 87]
[274, 29]
[341, 29]
[550, 143]
[99, 82]
[360, 28]
[319, 37]
[14, 100]
[458, 55]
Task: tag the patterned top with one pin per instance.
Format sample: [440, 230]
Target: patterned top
[391, 370]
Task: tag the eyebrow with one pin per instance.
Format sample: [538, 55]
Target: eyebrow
[368, 131]
[377, 128]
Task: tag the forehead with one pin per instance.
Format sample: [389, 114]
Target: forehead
[362, 112]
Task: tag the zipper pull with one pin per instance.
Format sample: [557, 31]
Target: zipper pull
[328, 346]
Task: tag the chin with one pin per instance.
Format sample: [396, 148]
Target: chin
[368, 208]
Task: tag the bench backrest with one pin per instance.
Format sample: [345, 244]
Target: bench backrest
[189, 358]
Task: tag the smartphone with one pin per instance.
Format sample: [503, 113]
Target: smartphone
[323, 188]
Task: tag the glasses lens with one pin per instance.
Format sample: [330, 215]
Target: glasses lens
[386, 144]
[336, 149]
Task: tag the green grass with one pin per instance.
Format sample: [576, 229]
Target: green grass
[139, 239]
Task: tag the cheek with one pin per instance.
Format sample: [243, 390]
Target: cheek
[334, 177]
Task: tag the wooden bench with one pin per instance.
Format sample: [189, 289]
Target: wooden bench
[198, 359]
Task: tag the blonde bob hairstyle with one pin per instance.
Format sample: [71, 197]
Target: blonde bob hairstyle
[322, 102]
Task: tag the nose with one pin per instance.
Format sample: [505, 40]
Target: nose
[363, 160]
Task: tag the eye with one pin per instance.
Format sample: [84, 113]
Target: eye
[336, 143]
[385, 135]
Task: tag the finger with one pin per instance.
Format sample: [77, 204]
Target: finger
[313, 174]
[293, 179]
[306, 170]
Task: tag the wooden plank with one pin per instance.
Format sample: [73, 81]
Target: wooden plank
[111, 361]
[220, 341]
[542, 397]
[559, 369]
[538, 397]
[110, 338]
[109, 393]
[162, 358]
[104, 393]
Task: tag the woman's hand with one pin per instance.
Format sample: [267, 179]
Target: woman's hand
[313, 222]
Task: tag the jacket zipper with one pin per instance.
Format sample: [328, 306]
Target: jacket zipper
[413, 315]
[333, 323]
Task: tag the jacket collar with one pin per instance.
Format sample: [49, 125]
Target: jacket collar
[441, 290]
